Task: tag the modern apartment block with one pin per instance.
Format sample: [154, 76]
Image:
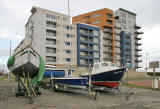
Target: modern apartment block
[52, 36]
[88, 44]
[129, 26]
[102, 18]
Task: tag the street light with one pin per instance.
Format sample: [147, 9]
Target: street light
[146, 62]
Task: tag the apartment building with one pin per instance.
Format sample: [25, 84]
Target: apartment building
[104, 19]
[52, 36]
[88, 45]
[129, 26]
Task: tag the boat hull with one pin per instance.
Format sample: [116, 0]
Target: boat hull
[70, 81]
[26, 62]
[108, 79]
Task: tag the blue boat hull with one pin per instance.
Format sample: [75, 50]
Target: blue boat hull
[70, 81]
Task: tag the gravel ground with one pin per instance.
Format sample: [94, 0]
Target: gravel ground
[139, 99]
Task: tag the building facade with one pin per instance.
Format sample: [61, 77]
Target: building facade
[126, 52]
[117, 40]
[129, 26]
[104, 19]
[88, 44]
[53, 37]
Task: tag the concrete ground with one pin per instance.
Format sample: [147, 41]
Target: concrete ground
[141, 99]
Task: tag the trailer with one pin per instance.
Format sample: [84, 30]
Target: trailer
[75, 85]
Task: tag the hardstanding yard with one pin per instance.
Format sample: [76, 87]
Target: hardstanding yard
[133, 98]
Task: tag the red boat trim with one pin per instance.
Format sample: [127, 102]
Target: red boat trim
[109, 84]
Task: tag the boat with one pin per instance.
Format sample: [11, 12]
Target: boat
[105, 74]
[26, 61]
[70, 82]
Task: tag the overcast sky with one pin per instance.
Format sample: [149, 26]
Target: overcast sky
[14, 15]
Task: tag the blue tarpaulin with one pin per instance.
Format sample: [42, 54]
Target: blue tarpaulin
[55, 73]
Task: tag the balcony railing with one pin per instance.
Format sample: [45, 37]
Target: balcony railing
[108, 30]
[137, 26]
[107, 44]
[107, 51]
[138, 43]
[50, 25]
[108, 37]
[84, 55]
[138, 38]
[138, 60]
[139, 32]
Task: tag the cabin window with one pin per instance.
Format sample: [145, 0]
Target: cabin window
[104, 64]
[96, 66]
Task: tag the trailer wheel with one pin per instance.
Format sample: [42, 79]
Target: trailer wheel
[55, 87]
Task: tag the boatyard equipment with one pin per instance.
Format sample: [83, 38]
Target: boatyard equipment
[28, 67]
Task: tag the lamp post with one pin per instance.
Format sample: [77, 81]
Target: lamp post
[146, 62]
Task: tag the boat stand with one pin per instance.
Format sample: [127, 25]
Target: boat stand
[25, 89]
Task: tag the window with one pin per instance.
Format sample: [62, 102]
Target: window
[68, 51]
[95, 22]
[68, 43]
[96, 15]
[67, 27]
[68, 59]
[50, 59]
[67, 35]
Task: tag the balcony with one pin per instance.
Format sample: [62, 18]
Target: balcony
[138, 38]
[84, 39]
[138, 49]
[138, 60]
[107, 51]
[137, 26]
[107, 44]
[138, 55]
[138, 32]
[138, 43]
[107, 30]
[85, 55]
[108, 37]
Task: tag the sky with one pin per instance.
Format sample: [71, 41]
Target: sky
[14, 15]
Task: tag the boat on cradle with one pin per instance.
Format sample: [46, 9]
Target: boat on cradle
[105, 74]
